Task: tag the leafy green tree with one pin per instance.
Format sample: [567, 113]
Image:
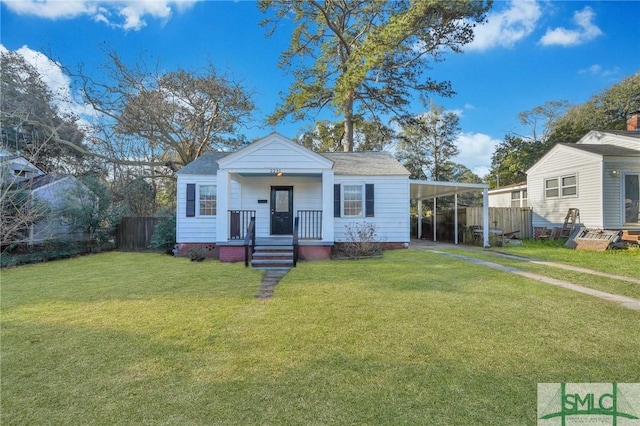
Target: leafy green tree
[90, 211]
[367, 57]
[427, 143]
[511, 160]
[608, 110]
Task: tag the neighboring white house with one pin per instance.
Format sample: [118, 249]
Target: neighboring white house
[514, 195]
[275, 180]
[599, 175]
[48, 194]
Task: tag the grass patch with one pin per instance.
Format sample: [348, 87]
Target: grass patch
[618, 262]
[414, 338]
[609, 285]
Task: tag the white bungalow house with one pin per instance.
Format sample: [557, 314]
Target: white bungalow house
[276, 180]
[599, 175]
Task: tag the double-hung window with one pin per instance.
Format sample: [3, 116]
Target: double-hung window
[551, 188]
[560, 187]
[207, 200]
[352, 200]
[569, 186]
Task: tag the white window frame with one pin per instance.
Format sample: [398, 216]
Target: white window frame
[556, 188]
[560, 187]
[343, 201]
[199, 200]
[520, 199]
[563, 186]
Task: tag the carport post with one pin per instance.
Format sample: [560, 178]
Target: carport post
[455, 218]
[434, 219]
[485, 216]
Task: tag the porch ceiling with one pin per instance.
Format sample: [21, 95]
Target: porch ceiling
[422, 189]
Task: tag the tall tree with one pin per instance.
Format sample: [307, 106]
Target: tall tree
[512, 158]
[427, 144]
[367, 57]
[163, 120]
[327, 136]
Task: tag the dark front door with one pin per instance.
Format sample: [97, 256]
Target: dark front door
[281, 210]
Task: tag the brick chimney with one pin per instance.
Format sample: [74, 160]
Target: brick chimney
[633, 123]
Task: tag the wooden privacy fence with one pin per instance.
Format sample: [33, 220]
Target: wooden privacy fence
[134, 233]
[509, 219]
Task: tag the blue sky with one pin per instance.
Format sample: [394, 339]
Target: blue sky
[527, 53]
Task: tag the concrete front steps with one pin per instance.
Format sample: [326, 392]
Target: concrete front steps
[273, 257]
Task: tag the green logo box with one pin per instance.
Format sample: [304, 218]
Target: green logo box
[593, 404]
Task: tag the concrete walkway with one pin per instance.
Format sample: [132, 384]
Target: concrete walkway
[270, 280]
[625, 301]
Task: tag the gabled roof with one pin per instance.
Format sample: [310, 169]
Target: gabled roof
[365, 163]
[604, 149]
[206, 164]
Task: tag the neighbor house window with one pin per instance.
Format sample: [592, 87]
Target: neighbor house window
[569, 186]
[551, 188]
[207, 200]
[519, 198]
[352, 200]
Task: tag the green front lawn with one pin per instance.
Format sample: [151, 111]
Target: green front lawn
[414, 338]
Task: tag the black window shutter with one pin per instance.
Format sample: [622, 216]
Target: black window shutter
[191, 199]
[369, 200]
[336, 200]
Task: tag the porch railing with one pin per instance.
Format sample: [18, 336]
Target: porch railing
[239, 223]
[310, 225]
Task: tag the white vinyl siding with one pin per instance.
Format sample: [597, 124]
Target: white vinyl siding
[198, 229]
[391, 219]
[586, 188]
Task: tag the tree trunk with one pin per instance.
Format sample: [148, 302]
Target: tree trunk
[347, 139]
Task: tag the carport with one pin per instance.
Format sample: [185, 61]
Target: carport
[420, 190]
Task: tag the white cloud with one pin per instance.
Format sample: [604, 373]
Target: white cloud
[586, 31]
[507, 27]
[125, 14]
[475, 151]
